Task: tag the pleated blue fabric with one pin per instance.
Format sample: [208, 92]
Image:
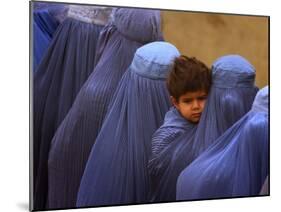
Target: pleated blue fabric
[44, 26]
[116, 171]
[73, 140]
[236, 164]
[174, 125]
[65, 67]
[231, 96]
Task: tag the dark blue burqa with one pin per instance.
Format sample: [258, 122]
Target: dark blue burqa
[236, 164]
[74, 138]
[65, 67]
[231, 96]
[116, 171]
[44, 26]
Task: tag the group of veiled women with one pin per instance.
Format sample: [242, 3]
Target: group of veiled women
[101, 108]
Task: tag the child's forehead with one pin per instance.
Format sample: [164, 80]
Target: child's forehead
[193, 94]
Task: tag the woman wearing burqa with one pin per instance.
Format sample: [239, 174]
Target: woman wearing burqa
[236, 164]
[64, 68]
[116, 171]
[72, 143]
[231, 96]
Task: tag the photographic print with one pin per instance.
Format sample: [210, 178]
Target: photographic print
[135, 105]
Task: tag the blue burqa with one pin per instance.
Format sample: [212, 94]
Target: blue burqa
[116, 171]
[231, 96]
[237, 162]
[65, 67]
[72, 143]
[44, 26]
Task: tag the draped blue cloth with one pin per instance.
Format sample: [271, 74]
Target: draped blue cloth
[65, 67]
[116, 171]
[231, 96]
[74, 138]
[44, 26]
[237, 162]
[174, 125]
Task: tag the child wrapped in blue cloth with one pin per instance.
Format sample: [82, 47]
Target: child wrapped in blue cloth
[188, 84]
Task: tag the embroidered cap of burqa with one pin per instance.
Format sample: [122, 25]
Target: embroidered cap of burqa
[65, 67]
[57, 10]
[72, 143]
[236, 164]
[231, 96]
[116, 171]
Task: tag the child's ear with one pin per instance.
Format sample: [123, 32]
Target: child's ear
[174, 101]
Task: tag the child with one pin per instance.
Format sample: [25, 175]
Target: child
[188, 84]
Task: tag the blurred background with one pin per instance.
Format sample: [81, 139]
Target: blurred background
[208, 36]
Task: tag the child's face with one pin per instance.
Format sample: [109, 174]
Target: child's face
[191, 105]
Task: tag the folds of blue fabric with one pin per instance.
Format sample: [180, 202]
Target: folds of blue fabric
[44, 26]
[73, 140]
[160, 166]
[235, 165]
[174, 125]
[65, 67]
[163, 139]
[224, 107]
[116, 171]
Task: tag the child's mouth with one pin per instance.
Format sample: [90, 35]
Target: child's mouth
[195, 115]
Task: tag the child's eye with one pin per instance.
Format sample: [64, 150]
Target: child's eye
[187, 100]
[202, 98]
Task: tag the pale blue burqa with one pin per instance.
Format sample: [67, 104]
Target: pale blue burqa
[116, 171]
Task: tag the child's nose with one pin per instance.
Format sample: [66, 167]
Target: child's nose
[195, 104]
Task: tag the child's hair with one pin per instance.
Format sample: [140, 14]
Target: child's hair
[188, 75]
